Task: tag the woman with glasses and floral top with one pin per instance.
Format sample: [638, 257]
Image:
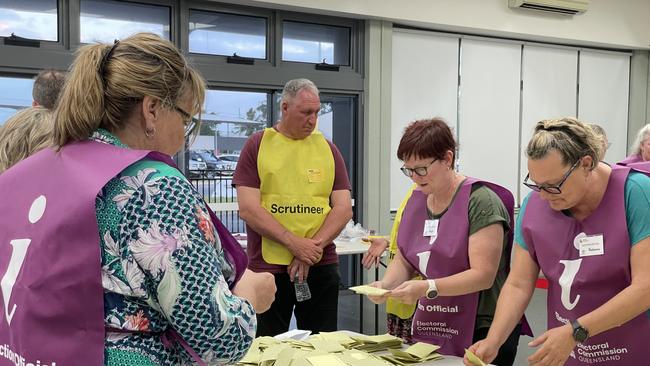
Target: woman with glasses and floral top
[586, 226]
[108, 255]
[456, 232]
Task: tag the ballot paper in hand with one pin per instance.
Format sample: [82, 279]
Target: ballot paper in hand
[473, 359]
[369, 290]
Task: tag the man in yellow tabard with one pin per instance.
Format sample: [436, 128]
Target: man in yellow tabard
[294, 194]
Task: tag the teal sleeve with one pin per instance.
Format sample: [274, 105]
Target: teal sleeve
[519, 236]
[160, 169]
[637, 206]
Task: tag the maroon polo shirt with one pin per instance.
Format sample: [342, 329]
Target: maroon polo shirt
[246, 174]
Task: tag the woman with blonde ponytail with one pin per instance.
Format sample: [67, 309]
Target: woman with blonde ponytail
[586, 226]
[108, 256]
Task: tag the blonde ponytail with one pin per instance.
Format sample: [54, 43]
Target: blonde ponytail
[81, 103]
[106, 82]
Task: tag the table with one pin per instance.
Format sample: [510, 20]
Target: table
[446, 361]
[355, 247]
[347, 247]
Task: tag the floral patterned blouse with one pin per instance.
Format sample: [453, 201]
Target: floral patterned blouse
[162, 267]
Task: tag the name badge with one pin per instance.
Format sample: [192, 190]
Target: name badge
[314, 175]
[591, 245]
[431, 230]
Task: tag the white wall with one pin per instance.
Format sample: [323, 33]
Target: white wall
[424, 85]
[608, 23]
[496, 115]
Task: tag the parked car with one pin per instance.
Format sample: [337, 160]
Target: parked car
[231, 159]
[214, 165]
[196, 166]
[211, 162]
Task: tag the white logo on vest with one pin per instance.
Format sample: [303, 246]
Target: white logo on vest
[424, 261]
[18, 255]
[571, 268]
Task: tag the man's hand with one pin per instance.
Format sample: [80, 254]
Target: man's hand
[298, 269]
[305, 249]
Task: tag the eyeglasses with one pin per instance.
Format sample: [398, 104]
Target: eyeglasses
[188, 120]
[552, 189]
[420, 170]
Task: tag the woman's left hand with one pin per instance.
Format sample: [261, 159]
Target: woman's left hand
[557, 344]
[410, 291]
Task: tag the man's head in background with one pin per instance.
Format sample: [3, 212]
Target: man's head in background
[47, 86]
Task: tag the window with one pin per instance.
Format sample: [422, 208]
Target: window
[104, 21]
[36, 19]
[15, 94]
[229, 118]
[315, 43]
[226, 34]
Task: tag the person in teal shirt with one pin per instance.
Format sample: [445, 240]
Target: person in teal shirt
[637, 211]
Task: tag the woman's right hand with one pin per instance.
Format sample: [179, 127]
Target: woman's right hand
[483, 349]
[377, 299]
[257, 288]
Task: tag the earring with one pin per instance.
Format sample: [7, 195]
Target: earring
[149, 133]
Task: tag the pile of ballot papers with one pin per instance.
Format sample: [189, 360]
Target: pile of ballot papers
[418, 352]
[337, 349]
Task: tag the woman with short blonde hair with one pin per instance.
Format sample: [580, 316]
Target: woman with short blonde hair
[24, 133]
[586, 227]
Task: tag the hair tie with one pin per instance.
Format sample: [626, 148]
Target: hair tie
[105, 58]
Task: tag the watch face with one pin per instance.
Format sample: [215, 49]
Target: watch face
[580, 334]
[432, 294]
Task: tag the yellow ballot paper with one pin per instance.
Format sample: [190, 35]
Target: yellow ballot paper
[369, 290]
[474, 358]
[422, 350]
[326, 360]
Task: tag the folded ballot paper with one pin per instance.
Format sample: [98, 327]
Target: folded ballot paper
[473, 359]
[419, 352]
[369, 290]
[337, 349]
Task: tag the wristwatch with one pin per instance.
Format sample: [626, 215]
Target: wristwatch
[432, 292]
[580, 334]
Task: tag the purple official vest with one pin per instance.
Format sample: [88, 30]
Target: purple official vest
[447, 321]
[50, 261]
[634, 158]
[578, 285]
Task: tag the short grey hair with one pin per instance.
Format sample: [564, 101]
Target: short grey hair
[47, 87]
[641, 136]
[599, 130]
[293, 87]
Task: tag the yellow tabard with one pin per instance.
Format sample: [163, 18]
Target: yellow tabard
[404, 311]
[296, 180]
